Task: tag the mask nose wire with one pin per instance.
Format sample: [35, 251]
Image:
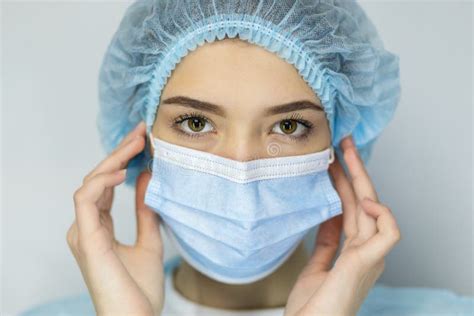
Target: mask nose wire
[150, 162]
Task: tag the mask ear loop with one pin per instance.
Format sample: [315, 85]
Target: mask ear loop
[331, 155]
[150, 136]
[150, 162]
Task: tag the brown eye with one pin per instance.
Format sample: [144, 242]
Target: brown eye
[196, 124]
[288, 126]
[292, 127]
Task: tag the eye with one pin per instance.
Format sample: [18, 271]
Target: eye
[290, 127]
[193, 124]
[196, 125]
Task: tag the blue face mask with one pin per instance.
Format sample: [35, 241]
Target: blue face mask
[234, 221]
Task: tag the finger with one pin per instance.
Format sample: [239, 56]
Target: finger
[327, 243]
[105, 202]
[72, 240]
[346, 193]
[387, 236]
[140, 129]
[148, 221]
[71, 235]
[118, 159]
[107, 221]
[362, 186]
[85, 198]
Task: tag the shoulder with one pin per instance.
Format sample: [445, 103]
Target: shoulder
[72, 305]
[80, 305]
[391, 300]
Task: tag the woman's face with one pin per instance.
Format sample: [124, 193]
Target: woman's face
[242, 102]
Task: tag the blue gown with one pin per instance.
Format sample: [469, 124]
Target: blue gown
[382, 300]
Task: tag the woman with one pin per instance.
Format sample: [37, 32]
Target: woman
[236, 108]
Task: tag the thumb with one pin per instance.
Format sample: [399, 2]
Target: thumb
[327, 243]
[148, 221]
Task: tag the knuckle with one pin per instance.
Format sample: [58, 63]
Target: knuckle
[78, 195]
[121, 162]
[385, 208]
[70, 236]
[97, 179]
[117, 158]
[117, 161]
[100, 178]
[86, 178]
[396, 235]
[393, 235]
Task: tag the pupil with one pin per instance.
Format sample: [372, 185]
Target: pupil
[288, 126]
[196, 124]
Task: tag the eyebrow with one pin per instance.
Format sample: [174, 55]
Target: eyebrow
[218, 110]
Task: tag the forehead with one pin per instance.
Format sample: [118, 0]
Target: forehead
[235, 72]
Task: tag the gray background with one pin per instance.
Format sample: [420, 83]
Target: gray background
[422, 165]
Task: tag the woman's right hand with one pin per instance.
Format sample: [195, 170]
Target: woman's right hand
[121, 279]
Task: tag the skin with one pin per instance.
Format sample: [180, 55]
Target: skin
[251, 81]
[245, 81]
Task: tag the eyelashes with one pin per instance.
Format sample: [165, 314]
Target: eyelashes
[196, 124]
[177, 124]
[304, 127]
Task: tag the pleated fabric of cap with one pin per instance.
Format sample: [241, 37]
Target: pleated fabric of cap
[333, 44]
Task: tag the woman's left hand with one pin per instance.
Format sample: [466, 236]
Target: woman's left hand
[371, 232]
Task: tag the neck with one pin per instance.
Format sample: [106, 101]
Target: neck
[269, 292]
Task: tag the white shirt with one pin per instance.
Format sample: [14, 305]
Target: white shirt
[177, 305]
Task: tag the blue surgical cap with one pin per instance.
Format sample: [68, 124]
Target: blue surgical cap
[333, 45]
